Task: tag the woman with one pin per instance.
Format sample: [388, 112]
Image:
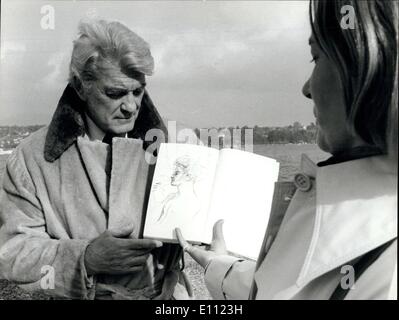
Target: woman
[337, 238]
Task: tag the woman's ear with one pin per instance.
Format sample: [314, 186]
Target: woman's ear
[78, 85]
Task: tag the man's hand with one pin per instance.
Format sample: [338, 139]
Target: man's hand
[107, 254]
[203, 257]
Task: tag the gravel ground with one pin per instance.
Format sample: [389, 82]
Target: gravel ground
[9, 291]
[196, 276]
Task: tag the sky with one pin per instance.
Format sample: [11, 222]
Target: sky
[217, 63]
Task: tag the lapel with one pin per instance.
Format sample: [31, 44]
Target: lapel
[128, 196]
[356, 205]
[67, 123]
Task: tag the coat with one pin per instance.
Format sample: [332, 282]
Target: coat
[60, 192]
[313, 240]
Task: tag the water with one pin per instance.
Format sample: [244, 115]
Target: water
[289, 156]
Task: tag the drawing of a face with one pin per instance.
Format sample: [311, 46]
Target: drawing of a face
[178, 176]
[183, 171]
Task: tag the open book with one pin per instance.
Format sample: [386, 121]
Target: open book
[194, 186]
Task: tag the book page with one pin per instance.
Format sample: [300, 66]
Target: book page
[242, 196]
[180, 192]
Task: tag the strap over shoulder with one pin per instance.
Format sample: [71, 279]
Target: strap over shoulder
[360, 267]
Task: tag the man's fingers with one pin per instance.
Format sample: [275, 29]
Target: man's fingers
[141, 244]
[136, 269]
[128, 270]
[129, 265]
[137, 261]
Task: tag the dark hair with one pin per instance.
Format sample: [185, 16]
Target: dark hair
[367, 59]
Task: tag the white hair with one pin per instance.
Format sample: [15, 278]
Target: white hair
[101, 41]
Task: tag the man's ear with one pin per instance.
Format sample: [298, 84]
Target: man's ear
[78, 86]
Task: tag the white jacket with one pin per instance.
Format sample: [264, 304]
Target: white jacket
[351, 210]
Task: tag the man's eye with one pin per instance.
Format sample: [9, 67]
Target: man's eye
[115, 95]
[138, 91]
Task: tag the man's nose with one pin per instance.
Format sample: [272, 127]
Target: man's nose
[130, 103]
[306, 90]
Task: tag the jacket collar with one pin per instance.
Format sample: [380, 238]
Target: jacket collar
[356, 205]
[67, 123]
[352, 154]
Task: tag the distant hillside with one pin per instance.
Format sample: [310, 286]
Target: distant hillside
[11, 136]
[295, 133]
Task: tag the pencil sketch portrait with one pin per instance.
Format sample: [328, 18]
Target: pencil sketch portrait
[182, 204]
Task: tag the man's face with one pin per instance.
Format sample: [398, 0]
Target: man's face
[113, 101]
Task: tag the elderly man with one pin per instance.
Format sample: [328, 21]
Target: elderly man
[74, 194]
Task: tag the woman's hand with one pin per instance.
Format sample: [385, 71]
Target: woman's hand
[216, 248]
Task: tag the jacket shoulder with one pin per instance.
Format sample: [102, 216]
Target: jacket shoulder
[28, 151]
[33, 144]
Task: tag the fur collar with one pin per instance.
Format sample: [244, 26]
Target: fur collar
[67, 123]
